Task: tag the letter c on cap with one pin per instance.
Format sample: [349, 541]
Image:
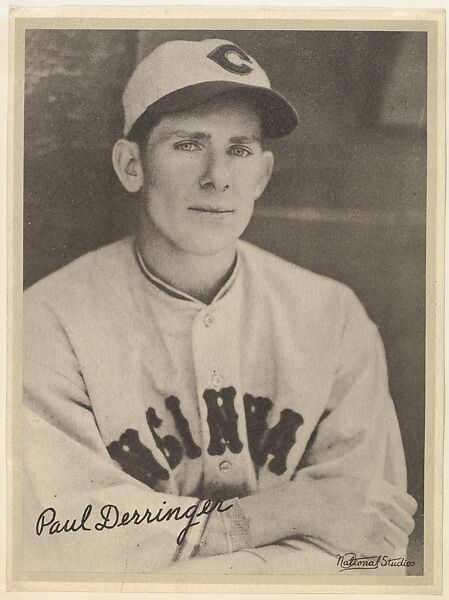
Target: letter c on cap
[222, 54]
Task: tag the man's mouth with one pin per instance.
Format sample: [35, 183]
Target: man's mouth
[211, 210]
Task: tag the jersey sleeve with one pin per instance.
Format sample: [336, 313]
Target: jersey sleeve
[358, 433]
[68, 473]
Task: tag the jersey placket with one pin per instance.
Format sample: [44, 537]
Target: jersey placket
[228, 469]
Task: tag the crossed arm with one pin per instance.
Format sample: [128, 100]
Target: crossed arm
[343, 513]
[376, 520]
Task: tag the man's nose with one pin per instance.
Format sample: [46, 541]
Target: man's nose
[216, 174]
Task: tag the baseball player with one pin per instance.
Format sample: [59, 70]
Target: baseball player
[192, 402]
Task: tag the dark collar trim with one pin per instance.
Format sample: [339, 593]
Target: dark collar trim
[155, 281]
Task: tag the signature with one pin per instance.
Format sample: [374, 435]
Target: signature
[351, 562]
[110, 517]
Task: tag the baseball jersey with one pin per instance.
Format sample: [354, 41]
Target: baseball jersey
[142, 397]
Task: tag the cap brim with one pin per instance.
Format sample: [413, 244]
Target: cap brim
[278, 116]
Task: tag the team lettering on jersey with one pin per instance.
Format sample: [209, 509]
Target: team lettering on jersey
[137, 460]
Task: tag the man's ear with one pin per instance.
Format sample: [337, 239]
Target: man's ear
[127, 164]
[265, 172]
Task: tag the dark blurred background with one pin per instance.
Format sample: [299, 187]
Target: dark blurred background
[348, 195]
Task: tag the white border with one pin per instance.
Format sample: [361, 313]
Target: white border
[398, 4]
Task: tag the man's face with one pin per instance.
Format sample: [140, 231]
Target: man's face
[203, 170]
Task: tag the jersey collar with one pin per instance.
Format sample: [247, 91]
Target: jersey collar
[178, 294]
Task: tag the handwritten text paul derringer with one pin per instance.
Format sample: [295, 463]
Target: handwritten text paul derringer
[110, 517]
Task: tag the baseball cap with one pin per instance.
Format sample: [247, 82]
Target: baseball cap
[179, 75]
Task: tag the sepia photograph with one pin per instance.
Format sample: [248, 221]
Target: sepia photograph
[225, 273]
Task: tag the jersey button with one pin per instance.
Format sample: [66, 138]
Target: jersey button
[208, 320]
[225, 466]
[217, 380]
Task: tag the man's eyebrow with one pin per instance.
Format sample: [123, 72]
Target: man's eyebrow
[195, 135]
[201, 135]
[244, 139]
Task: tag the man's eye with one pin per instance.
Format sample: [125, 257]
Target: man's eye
[187, 147]
[240, 151]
